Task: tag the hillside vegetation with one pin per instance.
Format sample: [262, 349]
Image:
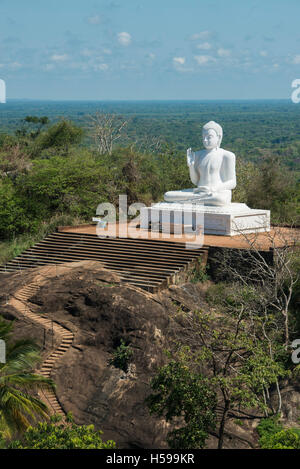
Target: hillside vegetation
[57, 172]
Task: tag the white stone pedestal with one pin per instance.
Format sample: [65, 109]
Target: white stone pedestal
[229, 220]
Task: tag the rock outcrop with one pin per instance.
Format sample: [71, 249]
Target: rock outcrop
[101, 312]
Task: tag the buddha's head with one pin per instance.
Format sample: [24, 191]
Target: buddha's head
[212, 135]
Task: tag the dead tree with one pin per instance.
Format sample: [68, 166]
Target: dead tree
[106, 130]
[268, 263]
[147, 144]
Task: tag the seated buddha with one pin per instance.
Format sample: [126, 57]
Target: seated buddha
[212, 170]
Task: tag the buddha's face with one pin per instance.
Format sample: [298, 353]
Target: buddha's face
[210, 139]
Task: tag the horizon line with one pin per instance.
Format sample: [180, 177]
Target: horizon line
[147, 100]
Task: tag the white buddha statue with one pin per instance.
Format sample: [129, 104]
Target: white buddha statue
[212, 170]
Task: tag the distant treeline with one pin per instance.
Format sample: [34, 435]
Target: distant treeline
[248, 125]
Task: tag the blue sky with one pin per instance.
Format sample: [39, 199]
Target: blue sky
[149, 49]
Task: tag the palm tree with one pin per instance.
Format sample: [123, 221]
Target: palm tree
[19, 406]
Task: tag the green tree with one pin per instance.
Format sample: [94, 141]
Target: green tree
[183, 394]
[58, 436]
[73, 185]
[19, 406]
[228, 355]
[13, 216]
[30, 129]
[60, 137]
[245, 355]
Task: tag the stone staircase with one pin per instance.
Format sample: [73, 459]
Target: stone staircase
[149, 264]
[65, 337]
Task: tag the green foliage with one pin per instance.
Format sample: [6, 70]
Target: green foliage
[56, 418]
[73, 185]
[59, 136]
[7, 140]
[246, 173]
[179, 392]
[10, 249]
[32, 126]
[269, 426]
[274, 436]
[275, 188]
[238, 365]
[13, 216]
[269, 185]
[54, 436]
[121, 356]
[5, 328]
[286, 439]
[231, 295]
[18, 385]
[199, 273]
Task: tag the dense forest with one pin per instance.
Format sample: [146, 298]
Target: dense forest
[248, 125]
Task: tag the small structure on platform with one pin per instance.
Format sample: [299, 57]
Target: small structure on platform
[208, 206]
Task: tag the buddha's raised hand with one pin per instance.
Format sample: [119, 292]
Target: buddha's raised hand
[190, 157]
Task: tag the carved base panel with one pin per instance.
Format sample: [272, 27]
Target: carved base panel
[230, 220]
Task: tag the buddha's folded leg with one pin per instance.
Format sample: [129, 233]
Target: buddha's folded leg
[173, 196]
[218, 199]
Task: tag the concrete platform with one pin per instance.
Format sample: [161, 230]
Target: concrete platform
[276, 237]
[229, 220]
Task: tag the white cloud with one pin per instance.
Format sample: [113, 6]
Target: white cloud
[107, 51]
[94, 19]
[204, 46]
[201, 35]
[296, 60]
[124, 38]
[204, 59]
[179, 60]
[102, 67]
[179, 65]
[263, 53]
[224, 52]
[151, 56]
[59, 57]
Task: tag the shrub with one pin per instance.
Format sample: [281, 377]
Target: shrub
[199, 273]
[274, 436]
[121, 356]
[53, 436]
